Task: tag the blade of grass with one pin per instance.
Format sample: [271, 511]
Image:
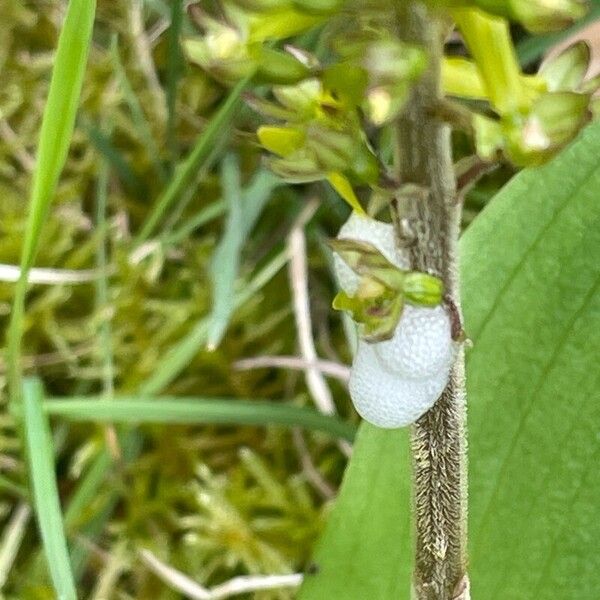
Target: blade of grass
[244, 210]
[137, 113]
[175, 361]
[174, 71]
[12, 537]
[254, 197]
[180, 355]
[11, 487]
[181, 410]
[87, 492]
[202, 150]
[206, 215]
[101, 284]
[225, 260]
[56, 131]
[132, 183]
[40, 456]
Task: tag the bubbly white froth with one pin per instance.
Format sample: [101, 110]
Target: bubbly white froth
[422, 344]
[386, 399]
[395, 382]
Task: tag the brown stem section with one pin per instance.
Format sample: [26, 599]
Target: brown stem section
[439, 437]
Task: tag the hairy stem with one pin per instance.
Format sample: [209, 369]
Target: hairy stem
[430, 224]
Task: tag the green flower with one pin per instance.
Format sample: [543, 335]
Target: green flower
[382, 291]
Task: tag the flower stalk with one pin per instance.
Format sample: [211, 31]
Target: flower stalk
[423, 157]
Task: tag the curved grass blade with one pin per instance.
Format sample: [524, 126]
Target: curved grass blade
[244, 208]
[225, 260]
[176, 410]
[40, 456]
[202, 150]
[57, 128]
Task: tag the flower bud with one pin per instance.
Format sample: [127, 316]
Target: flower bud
[566, 71]
[367, 261]
[280, 24]
[299, 168]
[539, 16]
[282, 141]
[275, 66]
[333, 149]
[374, 309]
[221, 52]
[422, 289]
[554, 120]
[301, 98]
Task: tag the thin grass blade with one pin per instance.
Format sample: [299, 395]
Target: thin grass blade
[226, 258]
[244, 209]
[40, 456]
[202, 151]
[55, 137]
[186, 411]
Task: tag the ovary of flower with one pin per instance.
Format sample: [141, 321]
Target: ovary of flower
[396, 381]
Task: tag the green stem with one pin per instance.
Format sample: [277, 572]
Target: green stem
[488, 39]
[439, 437]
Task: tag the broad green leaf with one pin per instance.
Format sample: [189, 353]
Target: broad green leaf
[531, 288]
[46, 502]
[366, 550]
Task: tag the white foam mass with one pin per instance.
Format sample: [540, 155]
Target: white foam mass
[395, 382]
[386, 399]
[422, 344]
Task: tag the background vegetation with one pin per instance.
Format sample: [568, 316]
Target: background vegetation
[141, 296]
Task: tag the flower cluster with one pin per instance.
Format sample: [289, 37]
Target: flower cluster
[525, 118]
[317, 111]
[322, 115]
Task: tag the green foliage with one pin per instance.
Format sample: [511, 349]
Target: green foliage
[530, 273]
[188, 250]
[531, 307]
[40, 453]
[55, 138]
[181, 410]
[366, 549]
